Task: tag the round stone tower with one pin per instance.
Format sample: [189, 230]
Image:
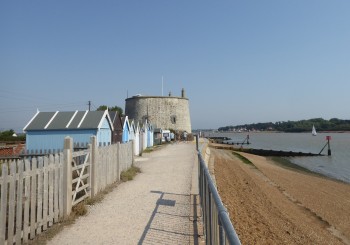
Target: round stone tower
[166, 112]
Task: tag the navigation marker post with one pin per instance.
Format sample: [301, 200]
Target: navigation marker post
[328, 138]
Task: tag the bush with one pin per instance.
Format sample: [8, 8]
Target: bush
[80, 209]
[190, 137]
[129, 174]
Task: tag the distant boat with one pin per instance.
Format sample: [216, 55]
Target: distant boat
[313, 131]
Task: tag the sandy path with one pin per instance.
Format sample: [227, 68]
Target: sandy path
[154, 208]
[273, 205]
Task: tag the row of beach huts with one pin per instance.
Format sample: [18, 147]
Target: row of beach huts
[46, 130]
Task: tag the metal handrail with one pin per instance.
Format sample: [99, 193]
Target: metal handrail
[217, 224]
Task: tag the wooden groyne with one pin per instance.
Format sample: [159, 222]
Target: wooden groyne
[226, 140]
[262, 152]
[218, 139]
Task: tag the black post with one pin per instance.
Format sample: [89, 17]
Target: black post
[329, 148]
[197, 140]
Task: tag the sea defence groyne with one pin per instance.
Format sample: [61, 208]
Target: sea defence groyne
[263, 152]
[226, 140]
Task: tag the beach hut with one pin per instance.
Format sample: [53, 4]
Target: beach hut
[157, 136]
[150, 135]
[126, 129]
[136, 139]
[117, 134]
[47, 130]
[144, 134]
[132, 130]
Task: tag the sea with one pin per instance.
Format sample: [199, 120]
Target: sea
[336, 166]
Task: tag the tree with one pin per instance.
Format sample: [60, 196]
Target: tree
[7, 136]
[333, 124]
[114, 108]
[7, 133]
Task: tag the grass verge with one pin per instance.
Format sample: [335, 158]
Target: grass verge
[129, 174]
[243, 159]
[148, 150]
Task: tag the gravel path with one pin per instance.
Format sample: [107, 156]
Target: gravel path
[154, 208]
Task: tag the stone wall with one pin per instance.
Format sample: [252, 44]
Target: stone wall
[163, 112]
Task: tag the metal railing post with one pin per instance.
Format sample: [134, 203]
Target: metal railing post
[217, 224]
[222, 239]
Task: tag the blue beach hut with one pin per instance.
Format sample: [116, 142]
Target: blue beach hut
[126, 129]
[47, 130]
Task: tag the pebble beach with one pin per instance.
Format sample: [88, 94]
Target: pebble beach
[272, 204]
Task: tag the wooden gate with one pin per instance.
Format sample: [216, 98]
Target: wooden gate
[81, 166]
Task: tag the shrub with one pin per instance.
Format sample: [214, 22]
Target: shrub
[129, 174]
[80, 209]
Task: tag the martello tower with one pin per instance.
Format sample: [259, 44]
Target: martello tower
[167, 112]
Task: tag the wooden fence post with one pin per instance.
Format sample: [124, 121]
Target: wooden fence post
[133, 152]
[93, 167]
[118, 161]
[67, 176]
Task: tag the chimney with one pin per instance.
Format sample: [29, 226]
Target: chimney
[183, 95]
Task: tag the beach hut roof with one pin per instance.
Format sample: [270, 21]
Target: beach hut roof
[67, 120]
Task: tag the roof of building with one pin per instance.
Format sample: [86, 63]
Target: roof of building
[116, 120]
[67, 120]
[125, 121]
[140, 97]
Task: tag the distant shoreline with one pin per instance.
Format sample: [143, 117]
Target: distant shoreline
[321, 132]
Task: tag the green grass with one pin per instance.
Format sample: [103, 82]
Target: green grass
[243, 159]
[148, 150]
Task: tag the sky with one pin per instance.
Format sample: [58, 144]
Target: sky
[239, 61]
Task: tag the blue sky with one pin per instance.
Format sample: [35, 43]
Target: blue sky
[239, 61]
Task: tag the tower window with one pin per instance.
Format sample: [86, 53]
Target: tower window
[173, 119]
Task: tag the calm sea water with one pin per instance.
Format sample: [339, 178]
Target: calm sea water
[335, 166]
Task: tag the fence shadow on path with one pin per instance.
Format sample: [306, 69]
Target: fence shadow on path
[170, 221]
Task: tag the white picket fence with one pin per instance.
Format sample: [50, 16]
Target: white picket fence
[107, 171]
[37, 192]
[31, 197]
